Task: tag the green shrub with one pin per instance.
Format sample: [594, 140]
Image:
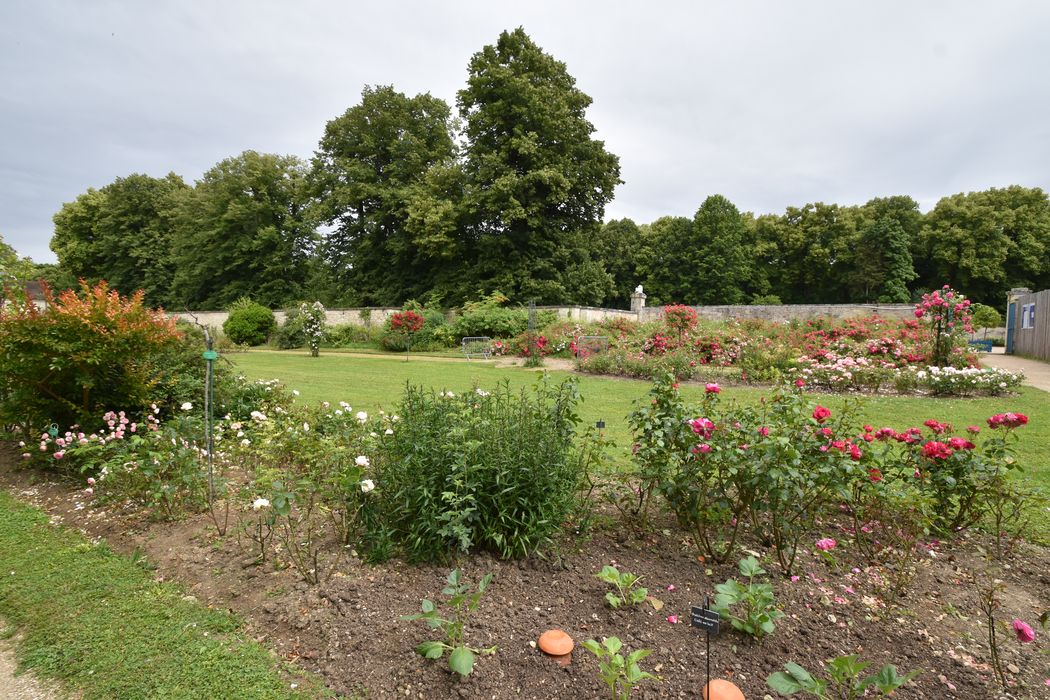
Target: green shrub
[86, 353]
[181, 370]
[493, 471]
[309, 468]
[352, 334]
[249, 323]
[631, 364]
[492, 322]
[159, 467]
[426, 339]
[289, 335]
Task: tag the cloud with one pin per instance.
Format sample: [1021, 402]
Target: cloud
[769, 103]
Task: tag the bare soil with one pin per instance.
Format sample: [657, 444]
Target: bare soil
[348, 630]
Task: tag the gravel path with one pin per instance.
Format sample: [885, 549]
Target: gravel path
[24, 686]
[1036, 373]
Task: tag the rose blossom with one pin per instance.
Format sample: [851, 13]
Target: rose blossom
[1025, 633]
[826, 544]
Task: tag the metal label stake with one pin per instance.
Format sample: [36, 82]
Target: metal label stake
[708, 620]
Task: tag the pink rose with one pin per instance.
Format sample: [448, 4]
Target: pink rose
[1025, 633]
[713, 388]
[827, 544]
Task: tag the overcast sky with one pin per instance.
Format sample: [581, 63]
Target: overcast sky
[771, 103]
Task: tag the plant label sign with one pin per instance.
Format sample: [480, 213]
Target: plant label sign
[706, 619]
[210, 355]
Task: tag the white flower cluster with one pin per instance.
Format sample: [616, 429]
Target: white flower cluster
[971, 380]
[313, 322]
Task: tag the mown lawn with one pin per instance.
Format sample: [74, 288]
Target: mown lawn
[373, 383]
[101, 623]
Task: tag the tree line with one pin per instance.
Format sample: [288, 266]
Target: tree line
[406, 198]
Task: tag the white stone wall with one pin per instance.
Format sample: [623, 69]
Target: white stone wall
[779, 314]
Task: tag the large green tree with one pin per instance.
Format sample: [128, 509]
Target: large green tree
[618, 246]
[984, 243]
[721, 259]
[537, 179]
[384, 179]
[815, 252]
[122, 233]
[709, 260]
[242, 231]
[14, 269]
[666, 279]
[883, 264]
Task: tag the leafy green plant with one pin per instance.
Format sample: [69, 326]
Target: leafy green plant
[628, 592]
[662, 439]
[845, 680]
[87, 352]
[248, 323]
[480, 470]
[308, 467]
[620, 673]
[462, 601]
[757, 611]
[163, 469]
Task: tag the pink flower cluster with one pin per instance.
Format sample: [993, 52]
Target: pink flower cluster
[1007, 420]
[826, 544]
[703, 427]
[946, 304]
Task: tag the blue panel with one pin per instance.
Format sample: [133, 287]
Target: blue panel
[1011, 321]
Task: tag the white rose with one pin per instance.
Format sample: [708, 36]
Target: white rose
[187, 406]
[260, 503]
[362, 461]
[362, 417]
[367, 485]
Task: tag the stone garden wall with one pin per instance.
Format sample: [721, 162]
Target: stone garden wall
[780, 314]
[790, 312]
[335, 317]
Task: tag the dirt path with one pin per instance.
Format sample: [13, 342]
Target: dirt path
[1036, 373]
[24, 686]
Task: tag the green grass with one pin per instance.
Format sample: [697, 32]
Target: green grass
[101, 624]
[373, 383]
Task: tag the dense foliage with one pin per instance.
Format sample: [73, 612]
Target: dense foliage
[249, 323]
[406, 198]
[86, 352]
[776, 469]
[491, 471]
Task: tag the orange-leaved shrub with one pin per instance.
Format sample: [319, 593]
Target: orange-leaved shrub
[86, 352]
